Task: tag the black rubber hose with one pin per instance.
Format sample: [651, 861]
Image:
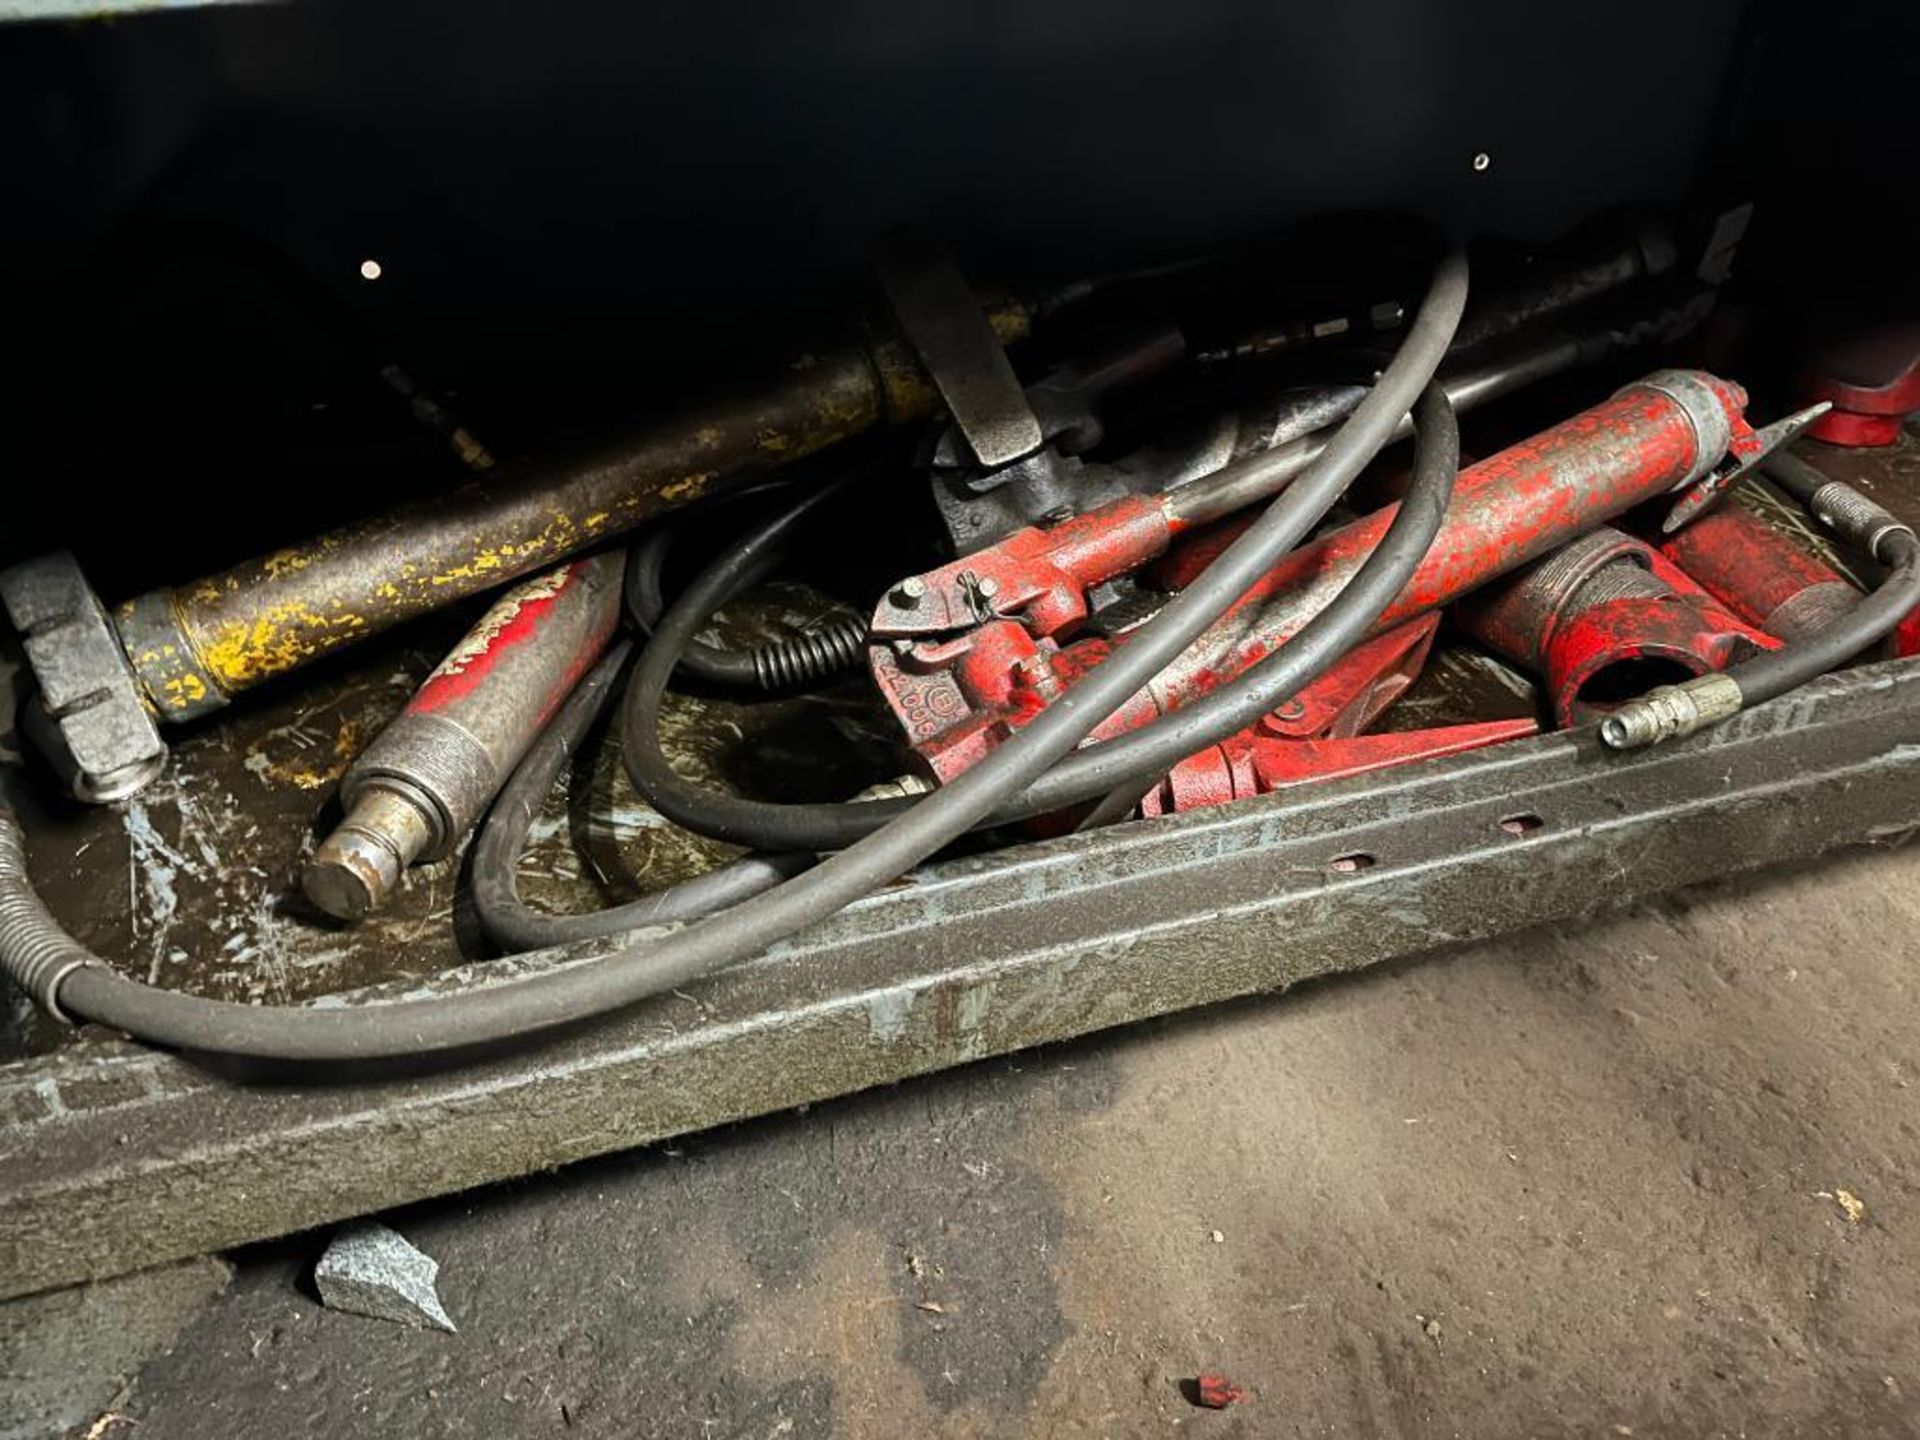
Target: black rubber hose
[1335, 630]
[1773, 673]
[646, 603]
[823, 651]
[64, 976]
[494, 883]
[1346, 620]
[1098, 770]
[514, 926]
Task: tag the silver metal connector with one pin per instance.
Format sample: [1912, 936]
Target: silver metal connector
[904, 787]
[1671, 712]
[1854, 518]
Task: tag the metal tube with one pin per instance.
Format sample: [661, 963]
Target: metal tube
[196, 646]
[426, 781]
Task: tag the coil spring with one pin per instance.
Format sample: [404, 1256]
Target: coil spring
[833, 647]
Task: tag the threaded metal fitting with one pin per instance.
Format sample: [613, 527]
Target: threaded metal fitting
[1856, 519]
[1669, 712]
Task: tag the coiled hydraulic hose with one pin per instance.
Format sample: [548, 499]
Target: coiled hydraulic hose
[65, 977]
[1669, 712]
[510, 923]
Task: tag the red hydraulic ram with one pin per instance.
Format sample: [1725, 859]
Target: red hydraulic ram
[428, 778]
[968, 653]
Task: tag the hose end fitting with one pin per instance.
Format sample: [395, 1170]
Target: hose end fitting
[1672, 712]
[1854, 518]
[904, 787]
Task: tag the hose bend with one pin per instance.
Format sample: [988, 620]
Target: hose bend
[494, 883]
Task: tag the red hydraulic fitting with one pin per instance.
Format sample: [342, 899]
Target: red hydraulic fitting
[1251, 764]
[1316, 735]
[1604, 619]
[1759, 573]
[1873, 380]
[428, 777]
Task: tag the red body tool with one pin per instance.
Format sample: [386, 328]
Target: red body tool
[1604, 619]
[968, 653]
[1873, 380]
[1759, 573]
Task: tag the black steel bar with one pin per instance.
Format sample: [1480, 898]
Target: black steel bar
[113, 1157]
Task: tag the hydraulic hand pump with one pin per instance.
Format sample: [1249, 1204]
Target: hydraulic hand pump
[968, 653]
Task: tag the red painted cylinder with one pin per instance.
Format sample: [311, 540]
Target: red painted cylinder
[426, 780]
[1507, 510]
[1759, 573]
[964, 666]
[1603, 619]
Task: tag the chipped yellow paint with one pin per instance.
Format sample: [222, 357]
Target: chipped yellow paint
[1010, 319]
[285, 562]
[487, 562]
[184, 691]
[246, 652]
[688, 487]
[266, 617]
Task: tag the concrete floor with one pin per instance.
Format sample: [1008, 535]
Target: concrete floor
[1569, 1184]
